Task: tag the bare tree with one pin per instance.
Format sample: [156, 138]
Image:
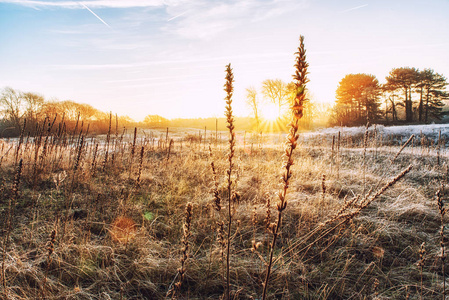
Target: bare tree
[33, 104]
[12, 107]
[252, 101]
[276, 91]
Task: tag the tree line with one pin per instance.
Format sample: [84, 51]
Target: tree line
[27, 112]
[30, 113]
[409, 95]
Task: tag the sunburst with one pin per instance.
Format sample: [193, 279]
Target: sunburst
[269, 112]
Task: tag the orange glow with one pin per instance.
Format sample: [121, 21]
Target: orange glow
[270, 112]
[278, 125]
[272, 119]
[123, 229]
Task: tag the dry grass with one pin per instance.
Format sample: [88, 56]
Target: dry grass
[124, 241]
[90, 217]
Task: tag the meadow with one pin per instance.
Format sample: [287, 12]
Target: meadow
[161, 214]
[132, 215]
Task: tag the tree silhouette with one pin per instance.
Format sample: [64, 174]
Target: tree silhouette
[405, 79]
[432, 94]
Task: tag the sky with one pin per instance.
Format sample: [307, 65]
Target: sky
[168, 57]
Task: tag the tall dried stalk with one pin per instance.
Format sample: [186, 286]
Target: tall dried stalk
[365, 145]
[93, 165]
[75, 129]
[115, 141]
[166, 138]
[37, 146]
[133, 151]
[139, 170]
[332, 152]
[69, 192]
[403, 147]
[442, 211]
[11, 205]
[438, 147]
[217, 198]
[50, 250]
[185, 245]
[108, 137]
[300, 78]
[170, 146]
[78, 154]
[338, 154]
[422, 258]
[20, 140]
[228, 87]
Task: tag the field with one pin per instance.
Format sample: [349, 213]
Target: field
[107, 217]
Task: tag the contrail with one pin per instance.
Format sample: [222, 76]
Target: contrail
[95, 14]
[177, 16]
[354, 8]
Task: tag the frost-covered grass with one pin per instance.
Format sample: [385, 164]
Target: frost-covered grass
[398, 133]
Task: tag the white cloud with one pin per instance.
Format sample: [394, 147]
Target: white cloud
[92, 3]
[192, 19]
[205, 19]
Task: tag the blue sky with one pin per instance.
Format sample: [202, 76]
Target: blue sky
[167, 57]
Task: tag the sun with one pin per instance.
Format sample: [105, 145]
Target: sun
[272, 119]
[269, 112]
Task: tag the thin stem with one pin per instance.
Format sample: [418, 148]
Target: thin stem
[297, 113]
[230, 121]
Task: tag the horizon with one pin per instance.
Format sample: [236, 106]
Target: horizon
[168, 58]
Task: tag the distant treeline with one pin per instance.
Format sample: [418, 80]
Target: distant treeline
[241, 123]
[30, 113]
[248, 124]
